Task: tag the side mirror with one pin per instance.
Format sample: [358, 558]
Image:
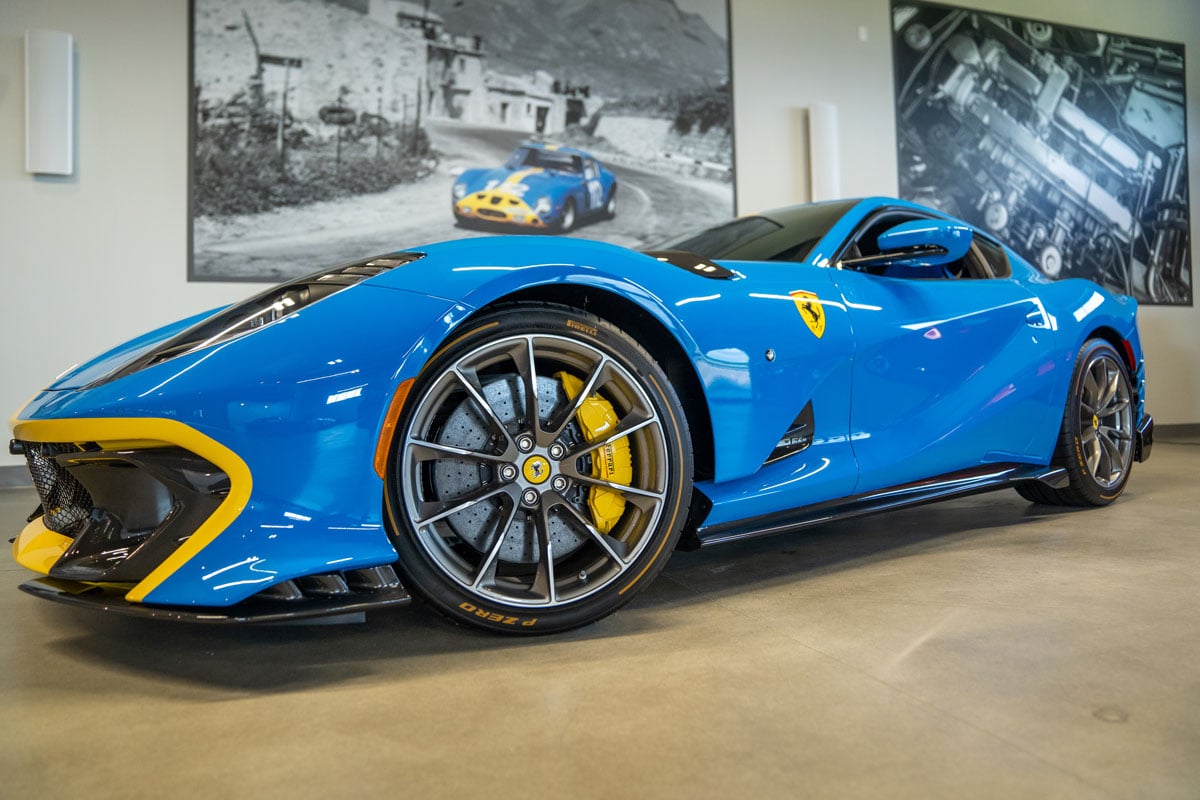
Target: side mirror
[919, 243]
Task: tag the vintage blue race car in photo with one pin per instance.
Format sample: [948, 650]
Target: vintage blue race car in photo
[542, 186]
[520, 430]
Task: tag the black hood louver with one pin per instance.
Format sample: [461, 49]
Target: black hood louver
[263, 309]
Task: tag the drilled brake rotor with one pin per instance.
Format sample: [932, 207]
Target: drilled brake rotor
[465, 427]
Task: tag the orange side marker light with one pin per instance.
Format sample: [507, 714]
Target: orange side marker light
[389, 426]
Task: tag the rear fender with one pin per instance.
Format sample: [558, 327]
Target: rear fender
[1080, 310]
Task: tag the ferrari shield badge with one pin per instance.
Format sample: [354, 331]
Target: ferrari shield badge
[811, 311]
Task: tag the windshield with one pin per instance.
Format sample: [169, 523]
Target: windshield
[786, 234]
[525, 157]
[720, 240]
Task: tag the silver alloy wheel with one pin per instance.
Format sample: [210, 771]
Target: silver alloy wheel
[1106, 421]
[568, 216]
[496, 471]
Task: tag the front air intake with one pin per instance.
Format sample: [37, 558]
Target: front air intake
[125, 510]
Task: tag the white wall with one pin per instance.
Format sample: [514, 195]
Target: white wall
[90, 260]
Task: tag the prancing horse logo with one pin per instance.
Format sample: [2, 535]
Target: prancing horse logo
[811, 311]
[536, 469]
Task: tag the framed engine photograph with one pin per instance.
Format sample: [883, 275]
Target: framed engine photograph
[1069, 144]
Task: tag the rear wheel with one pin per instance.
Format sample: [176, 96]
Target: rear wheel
[1095, 442]
[541, 473]
[610, 207]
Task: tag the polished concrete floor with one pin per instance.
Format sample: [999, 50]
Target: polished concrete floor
[978, 648]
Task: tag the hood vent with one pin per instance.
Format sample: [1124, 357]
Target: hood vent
[697, 265]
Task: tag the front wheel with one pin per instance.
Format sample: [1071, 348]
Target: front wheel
[541, 473]
[1095, 442]
[566, 223]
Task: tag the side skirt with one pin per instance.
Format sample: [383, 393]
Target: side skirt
[956, 484]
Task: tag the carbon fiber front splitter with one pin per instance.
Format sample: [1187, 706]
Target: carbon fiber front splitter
[254, 610]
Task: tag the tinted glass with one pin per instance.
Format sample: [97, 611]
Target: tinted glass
[994, 255]
[786, 234]
[722, 240]
[546, 159]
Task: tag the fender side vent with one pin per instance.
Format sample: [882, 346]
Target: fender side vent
[798, 437]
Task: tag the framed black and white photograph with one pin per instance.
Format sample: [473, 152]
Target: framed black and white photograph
[1069, 144]
[328, 130]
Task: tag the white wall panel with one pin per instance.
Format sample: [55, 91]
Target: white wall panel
[49, 103]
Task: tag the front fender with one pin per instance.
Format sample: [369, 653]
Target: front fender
[509, 281]
[749, 400]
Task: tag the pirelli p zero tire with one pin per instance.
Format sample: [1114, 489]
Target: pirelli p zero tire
[541, 472]
[1095, 443]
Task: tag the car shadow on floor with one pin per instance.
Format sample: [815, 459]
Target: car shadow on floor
[406, 643]
[854, 543]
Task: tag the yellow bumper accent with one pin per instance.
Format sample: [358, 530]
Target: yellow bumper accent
[152, 432]
[613, 462]
[498, 206]
[37, 548]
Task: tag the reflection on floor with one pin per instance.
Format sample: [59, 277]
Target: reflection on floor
[978, 648]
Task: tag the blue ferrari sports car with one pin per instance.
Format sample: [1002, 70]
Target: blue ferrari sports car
[541, 186]
[520, 430]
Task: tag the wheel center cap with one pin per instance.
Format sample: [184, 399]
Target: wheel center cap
[1095, 421]
[536, 469]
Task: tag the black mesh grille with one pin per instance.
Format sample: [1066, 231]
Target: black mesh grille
[65, 503]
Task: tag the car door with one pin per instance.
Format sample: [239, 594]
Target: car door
[948, 364]
[775, 349]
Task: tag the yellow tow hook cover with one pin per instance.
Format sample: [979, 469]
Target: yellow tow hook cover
[613, 462]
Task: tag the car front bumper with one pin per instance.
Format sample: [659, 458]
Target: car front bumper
[127, 504]
[498, 207]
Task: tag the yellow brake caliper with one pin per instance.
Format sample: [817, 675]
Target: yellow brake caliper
[613, 462]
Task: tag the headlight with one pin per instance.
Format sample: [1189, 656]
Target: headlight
[542, 206]
[263, 309]
[460, 191]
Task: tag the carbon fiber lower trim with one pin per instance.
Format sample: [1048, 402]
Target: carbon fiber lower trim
[254, 610]
[983, 478]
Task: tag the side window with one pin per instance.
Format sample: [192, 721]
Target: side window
[983, 260]
[994, 261]
[866, 243]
